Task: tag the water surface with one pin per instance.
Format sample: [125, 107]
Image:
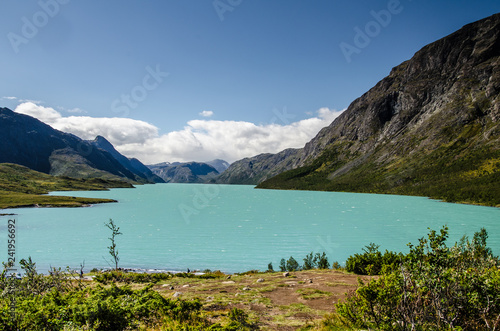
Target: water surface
[233, 228]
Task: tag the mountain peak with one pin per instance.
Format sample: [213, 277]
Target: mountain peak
[431, 128]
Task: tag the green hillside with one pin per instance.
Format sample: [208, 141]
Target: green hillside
[23, 187]
[439, 175]
[430, 128]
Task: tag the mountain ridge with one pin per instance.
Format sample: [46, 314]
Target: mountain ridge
[428, 128]
[31, 143]
[184, 172]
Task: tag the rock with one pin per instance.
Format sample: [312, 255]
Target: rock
[416, 117]
[260, 280]
[187, 285]
[286, 274]
[166, 285]
[308, 281]
[228, 277]
[177, 294]
[246, 288]
[229, 282]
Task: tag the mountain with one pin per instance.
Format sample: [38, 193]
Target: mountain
[430, 128]
[189, 172]
[29, 142]
[219, 165]
[133, 165]
[256, 169]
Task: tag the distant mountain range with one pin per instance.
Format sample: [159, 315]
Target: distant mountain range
[430, 128]
[29, 142]
[189, 172]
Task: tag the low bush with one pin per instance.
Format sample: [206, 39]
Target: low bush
[372, 261]
[435, 288]
[60, 301]
[130, 277]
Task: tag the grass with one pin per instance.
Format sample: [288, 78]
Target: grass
[23, 187]
[303, 308]
[311, 293]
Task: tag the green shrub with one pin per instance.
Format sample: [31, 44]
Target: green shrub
[58, 301]
[322, 261]
[436, 288]
[283, 265]
[292, 264]
[372, 261]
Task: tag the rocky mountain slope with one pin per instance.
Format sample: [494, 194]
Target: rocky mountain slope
[431, 128]
[189, 172]
[219, 165]
[133, 165]
[256, 169]
[29, 142]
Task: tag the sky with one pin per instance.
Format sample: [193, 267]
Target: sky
[196, 80]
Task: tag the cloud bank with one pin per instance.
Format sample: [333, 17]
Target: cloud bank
[199, 140]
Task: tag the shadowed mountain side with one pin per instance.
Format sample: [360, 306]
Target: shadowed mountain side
[133, 165]
[29, 142]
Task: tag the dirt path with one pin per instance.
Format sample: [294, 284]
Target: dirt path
[276, 302]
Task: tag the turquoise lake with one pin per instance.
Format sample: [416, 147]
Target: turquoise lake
[232, 228]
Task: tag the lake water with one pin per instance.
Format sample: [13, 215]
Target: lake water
[232, 228]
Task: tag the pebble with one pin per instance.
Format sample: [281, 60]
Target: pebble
[177, 294]
[286, 274]
[260, 280]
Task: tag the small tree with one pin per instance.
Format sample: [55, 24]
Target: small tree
[270, 267]
[292, 264]
[322, 261]
[115, 231]
[309, 262]
[283, 265]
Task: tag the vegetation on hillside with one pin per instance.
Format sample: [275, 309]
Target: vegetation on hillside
[23, 187]
[449, 173]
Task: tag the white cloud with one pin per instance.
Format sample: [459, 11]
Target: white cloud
[45, 114]
[203, 140]
[199, 140]
[76, 111]
[207, 113]
[117, 130]
[10, 98]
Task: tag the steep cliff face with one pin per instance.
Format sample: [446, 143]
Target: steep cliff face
[429, 128]
[449, 83]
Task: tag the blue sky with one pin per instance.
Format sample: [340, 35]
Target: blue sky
[191, 80]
